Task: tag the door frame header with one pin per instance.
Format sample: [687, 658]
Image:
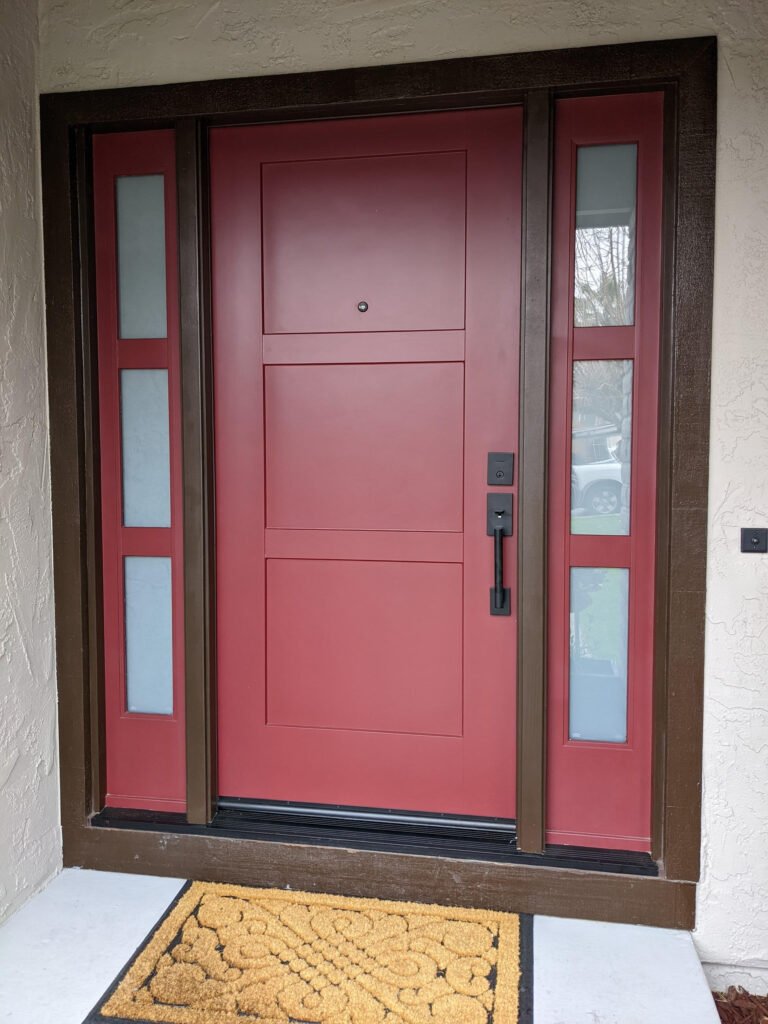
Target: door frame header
[685, 70]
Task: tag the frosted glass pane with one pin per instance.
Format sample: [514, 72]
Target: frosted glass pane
[145, 444]
[141, 256]
[604, 275]
[598, 676]
[601, 446]
[148, 650]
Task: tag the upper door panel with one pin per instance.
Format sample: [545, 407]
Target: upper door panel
[369, 244]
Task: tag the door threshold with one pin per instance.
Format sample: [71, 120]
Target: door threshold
[364, 828]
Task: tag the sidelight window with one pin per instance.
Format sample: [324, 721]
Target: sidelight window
[140, 202]
[604, 239]
[145, 439]
[606, 278]
[148, 631]
[136, 278]
[599, 618]
[601, 446]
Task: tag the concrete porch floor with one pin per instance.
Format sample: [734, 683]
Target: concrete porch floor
[61, 951]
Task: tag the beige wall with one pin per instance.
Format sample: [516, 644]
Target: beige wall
[30, 844]
[89, 44]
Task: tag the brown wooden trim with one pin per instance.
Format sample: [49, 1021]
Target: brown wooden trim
[68, 471]
[86, 313]
[601, 897]
[689, 463]
[197, 447]
[686, 66]
[663, 475]
[457, 83]
[532, 476]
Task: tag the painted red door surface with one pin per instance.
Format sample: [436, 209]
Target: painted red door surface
[366, 288]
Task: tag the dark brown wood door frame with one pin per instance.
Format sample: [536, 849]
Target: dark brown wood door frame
[686, 71]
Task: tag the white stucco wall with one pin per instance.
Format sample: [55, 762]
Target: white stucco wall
[90, 44]
[30, 844]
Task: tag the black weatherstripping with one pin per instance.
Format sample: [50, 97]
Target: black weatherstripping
[443, 835]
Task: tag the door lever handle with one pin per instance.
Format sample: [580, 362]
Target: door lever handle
[499, 526]
[499, 593]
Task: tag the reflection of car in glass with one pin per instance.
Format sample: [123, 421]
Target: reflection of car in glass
[596, 487]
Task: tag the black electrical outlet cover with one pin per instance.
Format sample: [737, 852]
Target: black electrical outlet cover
[754, 539]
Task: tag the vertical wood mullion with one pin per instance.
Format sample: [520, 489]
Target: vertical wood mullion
[532, 483]
[197, 460]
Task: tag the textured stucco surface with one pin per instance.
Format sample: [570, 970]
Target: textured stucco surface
[99, 43]
[30, 844]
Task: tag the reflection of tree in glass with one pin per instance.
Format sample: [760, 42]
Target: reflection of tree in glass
[599, 616]
[601, 444]
[598, 656]
[604, 280]
[597, 392]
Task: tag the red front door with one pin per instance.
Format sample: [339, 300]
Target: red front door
[365, 323]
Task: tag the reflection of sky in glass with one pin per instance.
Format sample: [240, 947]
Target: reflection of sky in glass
[601, 446]
[604, 256]
[141, 256]
[148, 635]
[145, 447]
[598, 659]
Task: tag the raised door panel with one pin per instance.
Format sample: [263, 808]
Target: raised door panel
[372, 645]
[365, 447]
[386, 230]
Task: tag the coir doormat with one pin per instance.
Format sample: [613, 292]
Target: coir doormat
[226, 954]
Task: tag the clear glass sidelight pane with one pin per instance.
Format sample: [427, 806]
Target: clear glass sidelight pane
[145, 447]
[601, 446]
[148, 636]
[141, 256]
[599, 624]
[604, 274]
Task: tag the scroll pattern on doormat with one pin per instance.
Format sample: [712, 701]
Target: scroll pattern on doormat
[226, 954]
